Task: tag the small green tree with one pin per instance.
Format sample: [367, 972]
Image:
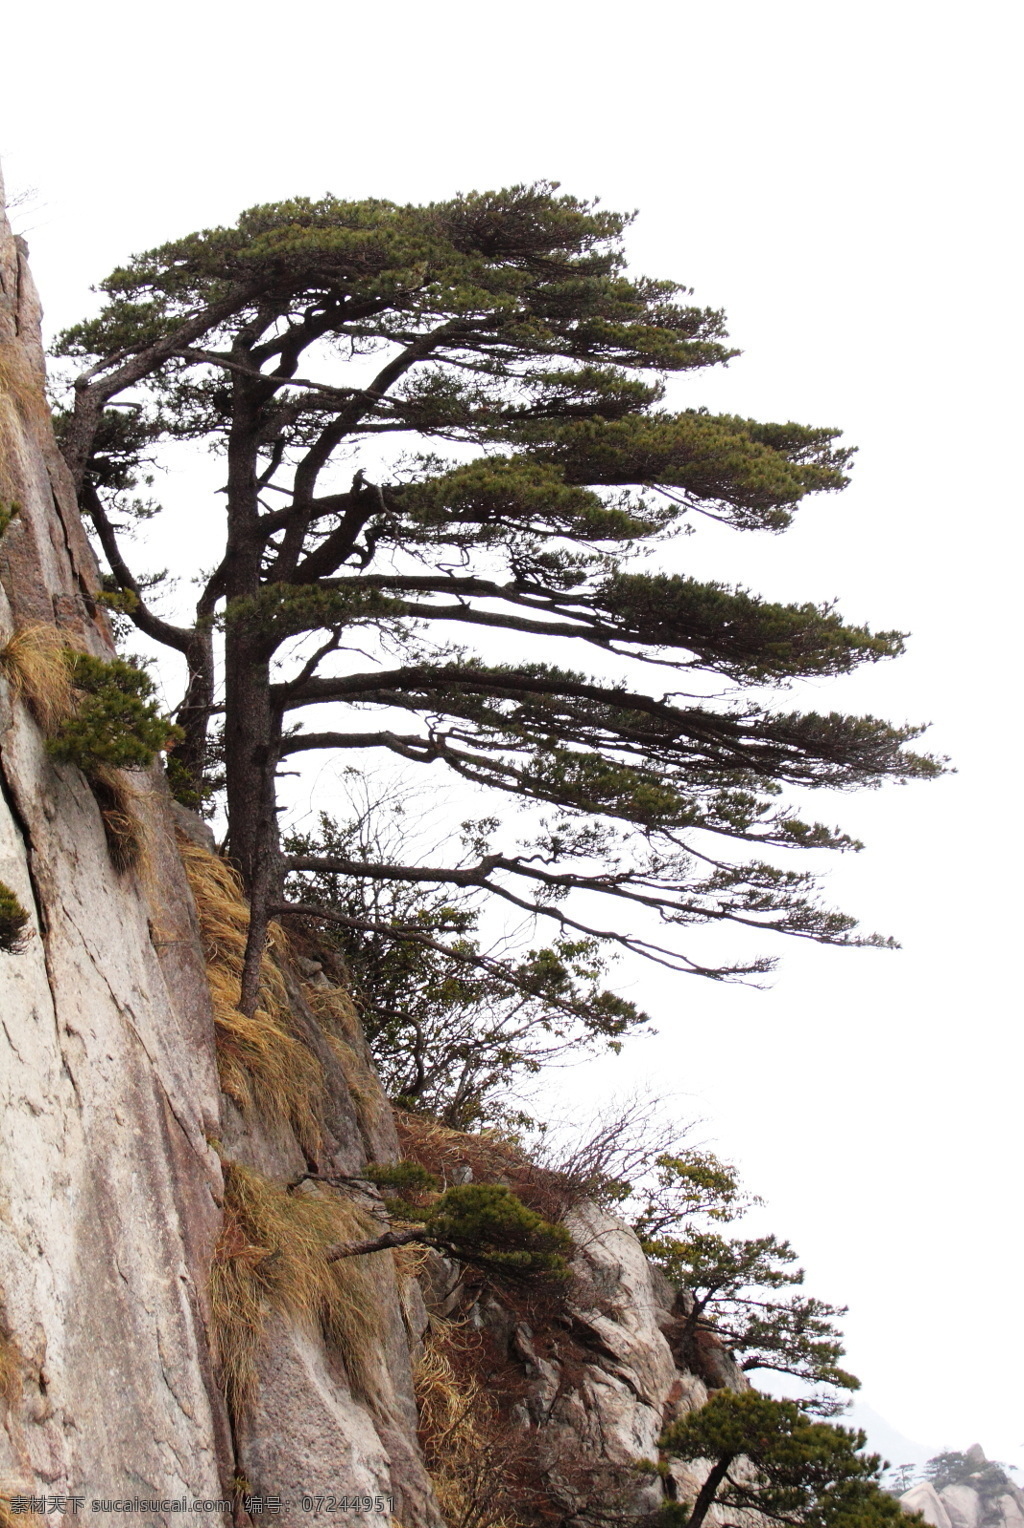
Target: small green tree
[116, 723]
[737, 1287]
[901, 1478]
[986, 1476]
[14, 921]
[484, 1224]
[737, 1291]
[686, 1185]
[948, 1468]
[768, 1458]
[9, 511]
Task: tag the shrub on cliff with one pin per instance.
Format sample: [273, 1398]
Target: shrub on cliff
[743, 1290]
[9, 510]
[484, 1224]
[270, 1258]
[14, 921]
[455, 1021]
[115, 723]
[739, 1289]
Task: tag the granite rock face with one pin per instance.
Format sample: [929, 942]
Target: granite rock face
[109, 1189]
[581, 1390]
[924, 1498]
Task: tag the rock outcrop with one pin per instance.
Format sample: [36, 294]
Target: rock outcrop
[983, 1496]
[579, 1385]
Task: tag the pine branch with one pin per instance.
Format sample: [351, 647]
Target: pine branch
[178, 637]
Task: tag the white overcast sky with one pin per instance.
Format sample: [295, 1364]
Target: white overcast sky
[841, 178]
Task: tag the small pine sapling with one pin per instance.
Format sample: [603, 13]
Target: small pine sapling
[409, 1188]
[9, 510]
[739, 1288]
[14, 922]
[116, 724]
[484, 1224]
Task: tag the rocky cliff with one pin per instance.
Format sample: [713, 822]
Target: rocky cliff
[170, 1172]
[983, 1496]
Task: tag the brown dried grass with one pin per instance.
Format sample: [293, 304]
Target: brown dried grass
[12, 1368]
[459, 1432]
[21, 400]
[336, 1014]
[445, 1151]
[20, 383]
[12, 1365]
[490, 1157]
[35, 664]
[410, 1261]
[262, 1065]
[10, 1519]
[118, 798]
[270, 1257]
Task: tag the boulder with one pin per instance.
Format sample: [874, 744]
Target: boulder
[963, 1505]
[924, 1499]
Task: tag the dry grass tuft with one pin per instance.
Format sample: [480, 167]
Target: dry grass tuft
[490, 1158]
[21, 398]
[447, 1153]
[20, 383]
[10, 1519]
[15, 922]
[12, 1365]
[409, 1261]
[34, 661]
[263, 1067]
[459, 1432]
[270, 1257]
[35, 664]
[337, 1017]
[336, 1012]
[20, 1519]
[117, 798]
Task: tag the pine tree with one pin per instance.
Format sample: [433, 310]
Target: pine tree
[766, 1456]
[500, 339]
[740, 1290]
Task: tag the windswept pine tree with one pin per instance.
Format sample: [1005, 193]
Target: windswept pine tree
[767, 1457]
[499, 340]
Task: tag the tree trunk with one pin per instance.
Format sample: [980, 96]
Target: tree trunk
[252, 726]
[252, 739]
[194, 717]
[708, 1491]
[251, 736]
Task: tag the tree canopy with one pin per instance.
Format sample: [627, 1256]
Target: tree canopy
[740, 1290]
[768, 1457]
[449, 421]
[743, 1289]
